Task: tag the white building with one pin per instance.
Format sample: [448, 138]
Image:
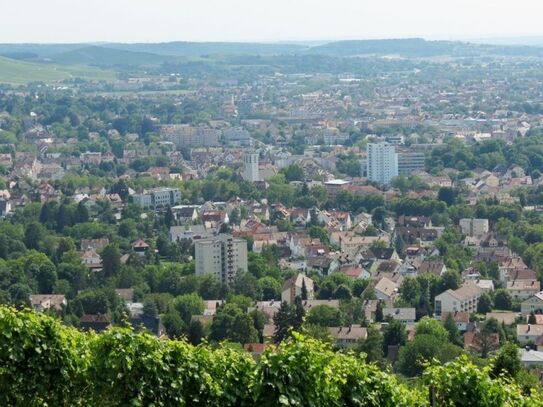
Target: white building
[474, 227]
[221, 256]
[464, 298]
[158, 197]
[251, 172]
[382, 162]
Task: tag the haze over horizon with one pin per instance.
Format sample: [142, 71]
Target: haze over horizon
[65, 21]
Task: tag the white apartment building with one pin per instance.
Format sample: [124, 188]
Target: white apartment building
[464, 298]
[158, 197]
[474, 227]
[411, 161]
[221, 256]
[382, 162]
[251, 172]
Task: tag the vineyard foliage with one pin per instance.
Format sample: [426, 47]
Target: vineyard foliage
[43, 363]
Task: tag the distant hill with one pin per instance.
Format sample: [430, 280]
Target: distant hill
[108, 57]
[419, 48]
[20, 72]
[414, 47]
[177, 48]
[188, 49]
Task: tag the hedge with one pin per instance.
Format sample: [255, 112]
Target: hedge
[44, 363]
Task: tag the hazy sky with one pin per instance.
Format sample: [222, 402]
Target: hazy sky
[259, 20]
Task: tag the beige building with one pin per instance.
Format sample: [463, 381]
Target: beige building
[528, 333]
[346, 336]
[221, 256]
[464, 298]
[292, 288]
[534, 303]
[474, 227]
[522, 290]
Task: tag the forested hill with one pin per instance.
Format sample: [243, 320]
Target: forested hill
[168, 51]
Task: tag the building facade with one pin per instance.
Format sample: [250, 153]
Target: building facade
[222, 256]
[382, 162]
[158, 197]
[251, 172]
[474, 227]
[410, 162]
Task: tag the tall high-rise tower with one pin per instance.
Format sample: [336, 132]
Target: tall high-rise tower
[251, 173]
[382, 162]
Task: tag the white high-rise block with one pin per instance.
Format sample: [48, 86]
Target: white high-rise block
[382, 162]
[251, 173]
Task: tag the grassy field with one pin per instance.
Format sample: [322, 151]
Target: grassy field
[18, 72]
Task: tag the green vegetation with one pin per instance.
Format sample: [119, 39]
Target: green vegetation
[18, 72]
[45, 363]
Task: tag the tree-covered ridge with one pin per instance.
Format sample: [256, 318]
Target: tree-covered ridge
[45, 363]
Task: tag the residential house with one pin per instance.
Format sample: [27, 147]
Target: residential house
[300, 216]
[436, 267]
[527, 333]
[385, 289]
[347, 336]
[44, 302]
[405, 315]
[140, 247]
[522, 290]
[94, 244]
[94, 322]
[294, 287]
[185, 214]
[474, 342]
[531, 358]
[532, 304]
[92, 260]
[460, 318]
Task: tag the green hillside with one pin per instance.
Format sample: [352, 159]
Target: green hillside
[19, 72]
[107, 57]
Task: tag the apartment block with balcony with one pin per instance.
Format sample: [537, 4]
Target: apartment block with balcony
[222, 255]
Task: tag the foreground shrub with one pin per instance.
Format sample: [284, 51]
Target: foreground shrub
[43, 363]
[461, 383]
[305, 371]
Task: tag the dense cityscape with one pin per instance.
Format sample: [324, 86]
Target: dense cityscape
[377, 200]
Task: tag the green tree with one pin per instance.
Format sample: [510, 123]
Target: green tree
[111, 260]
[188, 305]
[503, 299]
[284, 320]
[507, 361]
[46, 278]
[324, 315]
[394, 334]
[454, 333]
[195, 332]
[422, 349]
[372, 345]
[34, 234]
[173, 324]
[484, 305]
